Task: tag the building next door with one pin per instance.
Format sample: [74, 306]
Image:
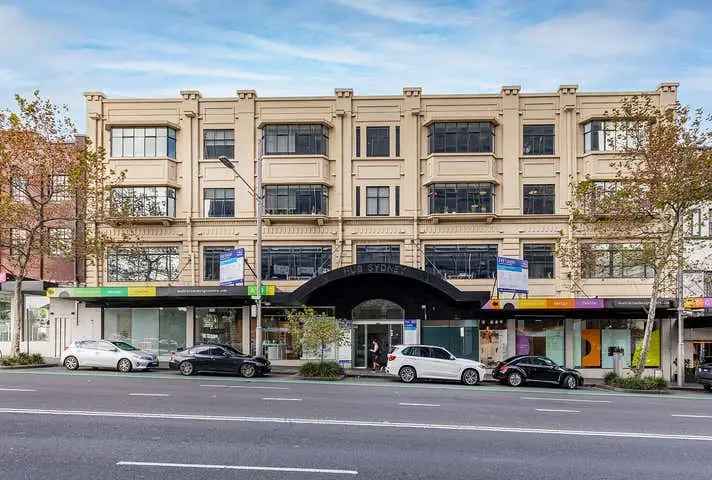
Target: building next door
[379, 320]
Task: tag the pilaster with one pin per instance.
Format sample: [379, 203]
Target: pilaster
[668, 94]
[246, 150]
[410, 150]
[511, 148]
[567, 145]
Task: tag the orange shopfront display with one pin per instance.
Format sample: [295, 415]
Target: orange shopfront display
[591, 348]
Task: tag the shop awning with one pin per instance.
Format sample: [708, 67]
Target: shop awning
[555, 303]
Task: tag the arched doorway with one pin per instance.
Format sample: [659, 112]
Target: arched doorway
[375, 319]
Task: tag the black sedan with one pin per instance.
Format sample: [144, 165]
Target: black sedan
[217, 358]
[703, 375]
[521, 369]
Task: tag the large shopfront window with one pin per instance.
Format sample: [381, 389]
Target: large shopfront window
[493, 341]
[36, 318]
[460, 337]
[5, 320]
[219, 325]
[157, 330]
[594, 337]
[461, 261]
[541, 336]
[278, 342]
[295, 263]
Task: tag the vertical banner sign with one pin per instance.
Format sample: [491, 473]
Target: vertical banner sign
[512, 275]
[232, 267]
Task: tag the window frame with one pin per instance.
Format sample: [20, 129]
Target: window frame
[531, 203]
[287, 199]
[210, 254]
[223, 201]
[162, 144]
[59, 246]
[440, 257]
[172, 264]
[549, 264]
[461, 137]
[381, 200]
[293, 139]
[606, 136]
[389, 252]
[140, 199]
[320, 257]
[378, 144]
[541, 144]
[441, 196]
[215, 147]
[610, 256]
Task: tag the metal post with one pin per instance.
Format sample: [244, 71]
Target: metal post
[680, 301]
[259, 204]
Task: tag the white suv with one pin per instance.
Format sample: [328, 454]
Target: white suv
[410, 362]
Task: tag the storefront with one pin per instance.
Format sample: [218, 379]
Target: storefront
[37, 331]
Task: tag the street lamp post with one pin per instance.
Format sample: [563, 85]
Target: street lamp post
[259, 205]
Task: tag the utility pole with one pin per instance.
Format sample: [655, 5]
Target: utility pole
[680, 300]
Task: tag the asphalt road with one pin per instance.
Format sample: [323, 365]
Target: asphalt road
[158, 425]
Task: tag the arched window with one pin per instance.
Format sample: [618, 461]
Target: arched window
[377, 309]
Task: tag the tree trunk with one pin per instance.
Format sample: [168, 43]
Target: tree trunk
[649, 324]
[19, 316]
[322, 352]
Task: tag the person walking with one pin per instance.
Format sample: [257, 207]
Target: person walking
[375, 351]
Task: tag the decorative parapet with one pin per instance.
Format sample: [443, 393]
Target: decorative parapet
[246, 94]
[668, 87]
[568, 89]
[94, 96]
[190, 94]
[511, 90]
[344, 92]
[412, 91]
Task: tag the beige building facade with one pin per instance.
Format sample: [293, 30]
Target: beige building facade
[437, 183]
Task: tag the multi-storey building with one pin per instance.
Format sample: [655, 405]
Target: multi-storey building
[388, 211]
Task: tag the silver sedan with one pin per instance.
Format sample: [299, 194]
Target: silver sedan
[120, 356]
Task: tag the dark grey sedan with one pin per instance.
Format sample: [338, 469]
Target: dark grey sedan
[703, 375]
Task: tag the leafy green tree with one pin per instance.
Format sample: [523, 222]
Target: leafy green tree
[315, 332]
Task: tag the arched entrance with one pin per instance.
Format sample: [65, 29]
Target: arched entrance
[375, 319]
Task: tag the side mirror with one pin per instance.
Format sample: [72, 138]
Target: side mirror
[114, 349]
[453, 357]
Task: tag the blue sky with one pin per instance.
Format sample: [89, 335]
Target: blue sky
[158, 47]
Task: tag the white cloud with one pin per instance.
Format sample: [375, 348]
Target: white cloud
[184, 70]
[412, 12]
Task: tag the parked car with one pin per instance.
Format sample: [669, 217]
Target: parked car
[213, 357]
[410, 362]
[703, 375]
[121, 356]
[521, 369]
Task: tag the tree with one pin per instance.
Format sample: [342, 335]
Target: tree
[54, 194]
[662, 169]
[315, 331]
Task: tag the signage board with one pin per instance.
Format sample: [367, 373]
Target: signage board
[232, 267]
[410, 325]
[512, 275]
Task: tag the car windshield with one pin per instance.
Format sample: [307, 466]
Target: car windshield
[233, 351]
[125, 346]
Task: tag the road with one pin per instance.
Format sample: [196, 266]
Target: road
[158, 425]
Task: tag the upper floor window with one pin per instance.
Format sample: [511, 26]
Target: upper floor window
[143, 264]
[541, 259]
[538, 199]
[219, 202]
[461, 261]
[461, 137]
[211, 262]
[694, 223]
[461, 198]
[615, 260]
[378, 201]
[144, 201]
[59, 188]
[608, 136]
[378, 254]
[19, 188]
[295, 263]
[218, 143]
[538, 140]
[296, 139]
[60, 241]
[18, 240]
[296, 199]
[377, 141]
[143, 142]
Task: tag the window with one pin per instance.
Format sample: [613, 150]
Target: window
[158, 330]
[60, 241]
[538, 140]
[59, 188]
[18, 239]
[397, 141]
[211, 262]
[219, 202]
[541, 259]
[614, 260]
[296, 200]
[36, 319]
[695, 224]
[439, 353]
[461, 261]
[461, 137]
[541, 337]
[378, 254]
[358, 142]
[296, 139]
[143, 142]
[378, 201]
[707, 282]
[218, 143]
[397, 201]
[358, 201]
[608, 136]
[461, 198]
[144, 201]
[538, 199]
[593, 338]
[4, 321]
[145, 264]
[377, 142]
[219, 325]
[295, 263]
[19, 188]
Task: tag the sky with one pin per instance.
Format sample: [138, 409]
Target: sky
[155, 48]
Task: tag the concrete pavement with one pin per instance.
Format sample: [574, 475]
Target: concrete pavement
[58, 424]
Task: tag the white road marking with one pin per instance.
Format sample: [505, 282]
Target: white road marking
[691, 416]
[17, 390]
[565, 400]
[245, 386]
[361, 423]
[556, 411]
[241, 467]
[419, 404]
[149, 395]
[280, 399]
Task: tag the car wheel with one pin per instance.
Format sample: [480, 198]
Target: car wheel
[186, 368]
[570, 382]
[470, 377]
[708, 388]
[248, 370]
[515, 379]
[71, 363]
[124, 365]
[407, 374]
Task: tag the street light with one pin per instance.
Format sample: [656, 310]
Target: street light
[258, 244]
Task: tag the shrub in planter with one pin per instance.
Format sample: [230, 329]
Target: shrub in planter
[635, 382]
[610, 378]
[321, 370]
[22, 359]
